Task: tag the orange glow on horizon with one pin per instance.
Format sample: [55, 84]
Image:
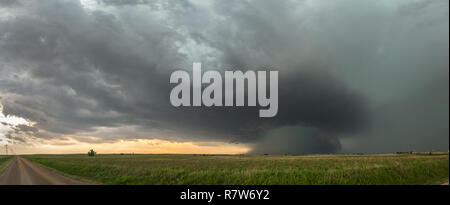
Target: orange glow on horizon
[140, 146]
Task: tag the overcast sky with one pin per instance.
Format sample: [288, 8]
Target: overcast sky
[354, 76]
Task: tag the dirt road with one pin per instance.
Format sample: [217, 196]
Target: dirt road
[23, 172]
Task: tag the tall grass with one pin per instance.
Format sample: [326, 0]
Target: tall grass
[253, 170]
[4, 160]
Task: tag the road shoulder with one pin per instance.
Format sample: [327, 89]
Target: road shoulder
[5, 164]
[73, 177]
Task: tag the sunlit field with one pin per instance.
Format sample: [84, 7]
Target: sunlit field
[252, 169]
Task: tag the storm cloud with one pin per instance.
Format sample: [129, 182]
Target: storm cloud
[354, 76]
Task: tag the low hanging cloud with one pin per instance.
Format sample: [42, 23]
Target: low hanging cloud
[370, 77]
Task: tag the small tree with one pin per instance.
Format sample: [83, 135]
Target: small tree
[92, 153]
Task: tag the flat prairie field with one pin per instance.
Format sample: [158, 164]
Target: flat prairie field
[4, 161]
[253, 169]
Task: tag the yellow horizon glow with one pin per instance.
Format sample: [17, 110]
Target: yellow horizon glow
[141, 146]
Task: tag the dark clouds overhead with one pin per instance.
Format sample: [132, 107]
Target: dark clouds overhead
[352, 78]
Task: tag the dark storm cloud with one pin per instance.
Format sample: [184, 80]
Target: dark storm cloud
[8, 3]
[296, 140]
[123, 2]
[343, 70]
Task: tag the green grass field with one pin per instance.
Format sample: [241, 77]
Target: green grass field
[4, 161]
[253, 170]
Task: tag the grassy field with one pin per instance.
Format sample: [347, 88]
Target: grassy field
[4, 161]
[253, 170]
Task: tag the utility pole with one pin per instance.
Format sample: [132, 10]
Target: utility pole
[6, 148]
